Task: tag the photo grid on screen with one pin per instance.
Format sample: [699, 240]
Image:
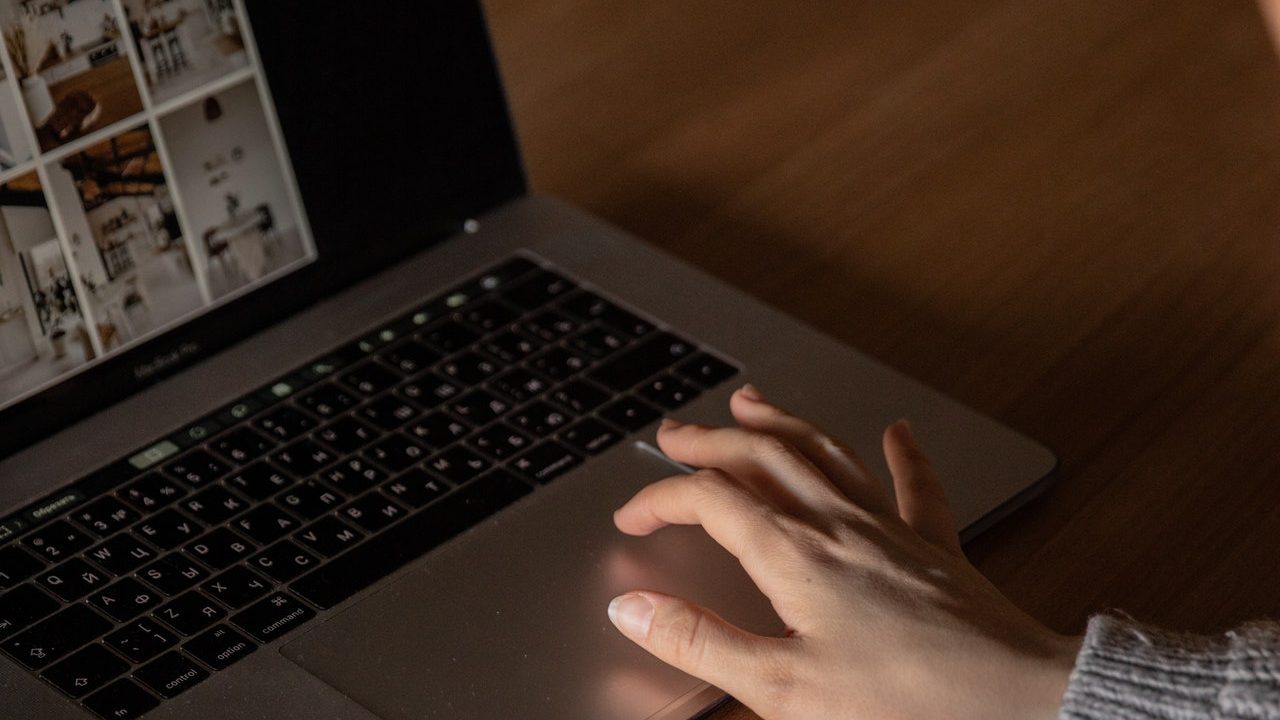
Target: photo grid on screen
[143, 178]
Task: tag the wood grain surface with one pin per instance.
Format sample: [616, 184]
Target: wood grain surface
[1062, 212]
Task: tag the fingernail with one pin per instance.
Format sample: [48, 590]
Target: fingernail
[632, 614]
[752, 393]
[670, 424]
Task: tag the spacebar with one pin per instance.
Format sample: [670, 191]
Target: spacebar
[401, 544]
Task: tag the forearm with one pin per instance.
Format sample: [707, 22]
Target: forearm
[1127, 671]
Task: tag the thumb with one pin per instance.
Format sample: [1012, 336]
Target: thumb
[700, 643]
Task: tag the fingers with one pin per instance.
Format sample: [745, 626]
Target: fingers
[841, 465]
[922, 503]
[765, 462]
[699, 642]
[735, 518]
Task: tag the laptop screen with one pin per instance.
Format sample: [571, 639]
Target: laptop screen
[143, 178]
[152, 183]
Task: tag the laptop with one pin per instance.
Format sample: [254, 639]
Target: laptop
[308, 409]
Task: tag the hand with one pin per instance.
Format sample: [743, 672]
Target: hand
[886, 618]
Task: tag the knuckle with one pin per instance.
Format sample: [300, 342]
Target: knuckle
[684, 637]
[764, 446]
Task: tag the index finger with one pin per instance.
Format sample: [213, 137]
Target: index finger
[736, 519]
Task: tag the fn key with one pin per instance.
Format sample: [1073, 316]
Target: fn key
[273, 617]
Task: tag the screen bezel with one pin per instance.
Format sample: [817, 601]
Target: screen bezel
[475, 148]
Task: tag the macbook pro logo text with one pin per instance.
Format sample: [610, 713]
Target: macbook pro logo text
[160, 363]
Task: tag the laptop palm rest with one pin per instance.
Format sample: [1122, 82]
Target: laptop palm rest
[512, 614]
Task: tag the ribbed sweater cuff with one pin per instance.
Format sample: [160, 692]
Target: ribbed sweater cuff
[1127, 671]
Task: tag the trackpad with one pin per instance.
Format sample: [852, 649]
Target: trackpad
[510, 618]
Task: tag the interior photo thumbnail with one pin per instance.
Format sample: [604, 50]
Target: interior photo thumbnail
[42, 328]
[185, 44]
[125, 238]
[227, 170]
[15, 148]
[72, 65]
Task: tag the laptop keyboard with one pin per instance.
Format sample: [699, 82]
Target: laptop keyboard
[140, 581]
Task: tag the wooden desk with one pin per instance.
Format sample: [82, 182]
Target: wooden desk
[1066, 214]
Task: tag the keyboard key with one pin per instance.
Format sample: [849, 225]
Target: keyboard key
[54, 637]
[171, 674]
[706, 371]
[669, 392]
[429, 391]
[643, 361]
[546, 462]
[346, 435]
[591, 437]
[449, 336]
[416, 488]
[168, 529]
[438, 430]
[373, 512]
[499, 441]
[259, 481]
[630, 413]
[243, 445]
[479, 407]
[410, 357]
[396, 453]
[458, 465]
[220, 647]
[72, 579]
[581, 396]
[329, 536]
[283, 561]
[22, 606]
[590, 306]
[389, 412]
[328, 400]
[56, 541]
[122, 700]
[274, 617]
[559, 363]
[220, 549]
[236, 587]
[190, 613]
[285, 423]
[266, 523]
[152, 492]
[487, 315]
[599, 342]
[370, 378]
[125, 600]
[172, 574]
[511, 347]
[406, 541]
[16, 565]
[303, 458]
[142, 640]
[103, 517]
[197, 468]
[214, 505]
[310, 500]
[519, 385]
[538, 290]
[549, 326]
[540, 418]
[469, 368]
[86, 671]
[121, 554]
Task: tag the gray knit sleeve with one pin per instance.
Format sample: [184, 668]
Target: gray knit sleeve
[1128, 671]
